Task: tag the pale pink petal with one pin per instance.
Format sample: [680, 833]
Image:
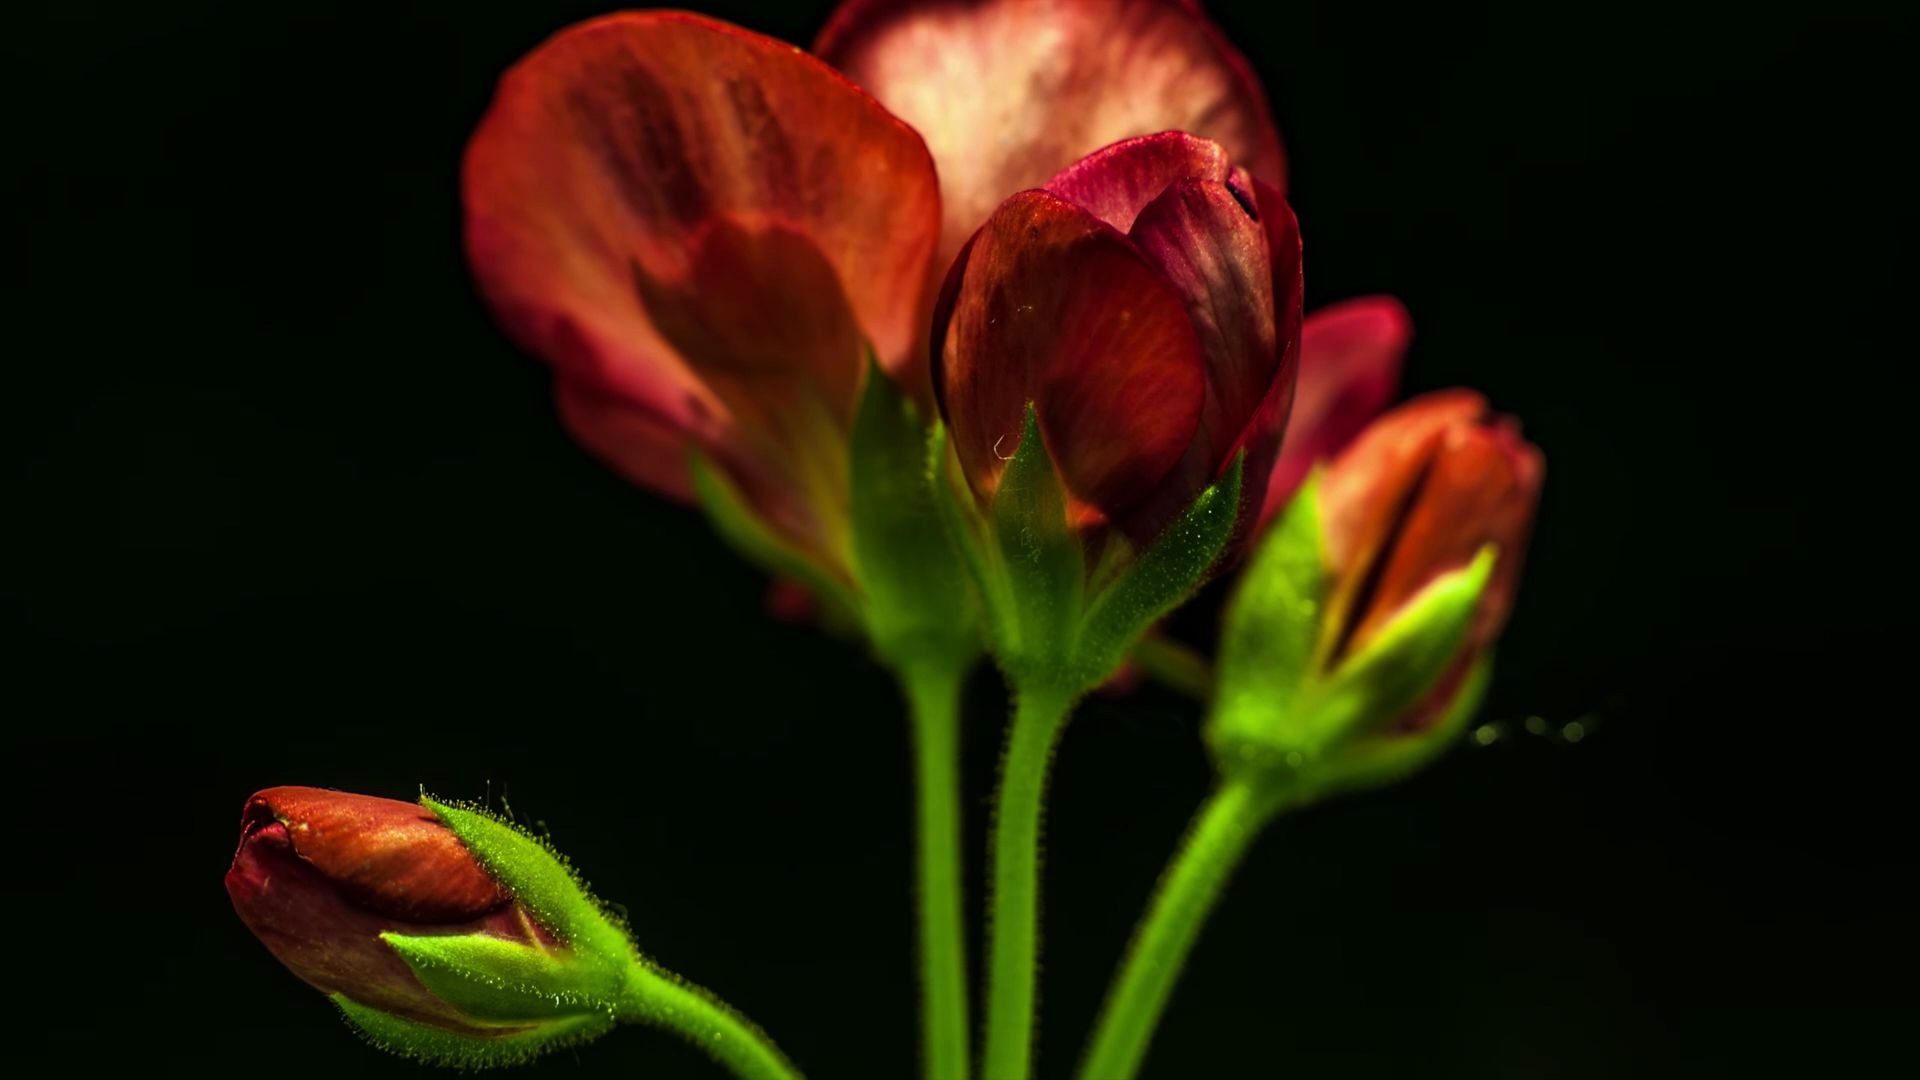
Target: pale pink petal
[1009, 92]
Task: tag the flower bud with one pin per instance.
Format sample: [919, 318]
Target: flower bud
[1357, 641]
[378, 904]
[1146, 304]
[1114, 360]
[1416, 496]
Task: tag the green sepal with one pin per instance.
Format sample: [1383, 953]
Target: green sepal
[493, 979]
[514, 1044]
[1383, 757]
[734, 519]
[917, 606]
[1279, 713]
[1159, 578]
[542, 882]
[967, 532]
[1271, 630]
[1041, 558]
[1406, 659]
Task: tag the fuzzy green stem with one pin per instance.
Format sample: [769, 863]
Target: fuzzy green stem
[1174, 666]
[1221, 832]
[933, 692]
[662, 1000]
[1040, 713]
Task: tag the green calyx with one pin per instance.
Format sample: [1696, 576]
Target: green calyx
[541, 881]
[903, 588]
[479, 1048]
[916, 607]
[1283, 713]
[1050, 621]
[574, 980]
[516, 998]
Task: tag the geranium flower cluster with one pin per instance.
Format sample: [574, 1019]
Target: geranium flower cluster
[982, 324]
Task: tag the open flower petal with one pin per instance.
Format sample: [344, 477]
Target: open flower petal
[1115, 183]
[640, 446]
[1008, 92]
[1050, 305]
[656, 197]
[1350, 357]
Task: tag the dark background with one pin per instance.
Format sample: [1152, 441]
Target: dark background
[290, 510]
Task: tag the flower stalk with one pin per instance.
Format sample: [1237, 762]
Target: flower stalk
[661, 1000]
[1220, 836]
[933, 695]
[1040, 713]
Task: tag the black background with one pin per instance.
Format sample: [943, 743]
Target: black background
[292, 511]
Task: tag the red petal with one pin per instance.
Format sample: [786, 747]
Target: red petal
[1116, 182]
[1261, 439]
[1009, 92]
[394, 858]
[322, 932]
[1205, 242]
[1416, 496]
[659, 203]
[1480, 488]
[645, 449]
[1053, 306]
[1349, 369]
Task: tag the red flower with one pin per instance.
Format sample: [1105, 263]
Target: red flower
[1417, 495]
[320, 875]
[1147, 303]
[701, 229]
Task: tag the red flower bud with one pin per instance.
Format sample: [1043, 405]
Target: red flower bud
[1147, 303]
[320, 875]
[1416, 496]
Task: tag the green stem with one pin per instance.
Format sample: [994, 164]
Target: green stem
[1037, 719]
[1227, 823]
[933, 691]
[663, 1000]
[1174, 666]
